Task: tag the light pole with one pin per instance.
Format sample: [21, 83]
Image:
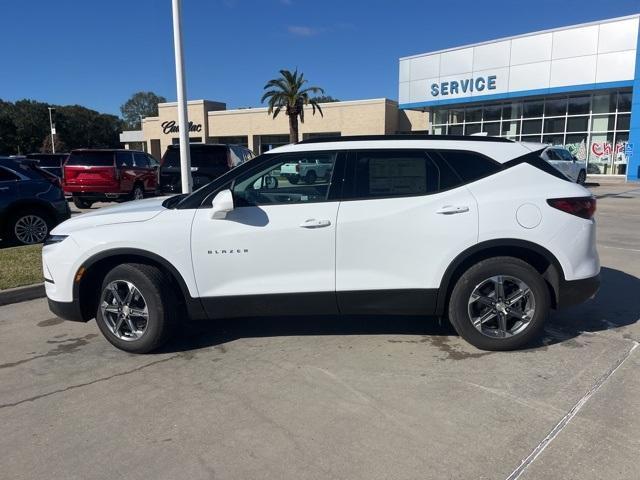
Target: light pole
[183, 122]
[53, 129]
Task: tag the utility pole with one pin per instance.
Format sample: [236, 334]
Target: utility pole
[183, 121]
[53, 129]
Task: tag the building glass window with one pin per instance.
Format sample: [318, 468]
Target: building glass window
[594, 127]
[532, 109]
[531, 127]
[579, 105]
[555, 108]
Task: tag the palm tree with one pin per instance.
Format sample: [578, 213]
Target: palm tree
[287, 92]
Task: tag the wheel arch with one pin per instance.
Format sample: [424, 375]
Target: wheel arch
[535, 255]
[89, 277]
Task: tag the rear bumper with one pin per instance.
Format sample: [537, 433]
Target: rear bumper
[91, 189]
[66, 310]
[100, 197]
[573, 292]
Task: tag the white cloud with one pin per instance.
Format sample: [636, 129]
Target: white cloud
[303, 31]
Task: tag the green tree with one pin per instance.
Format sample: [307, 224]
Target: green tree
[325, 99]
[289, 92]
[141, 104]
[7, 129]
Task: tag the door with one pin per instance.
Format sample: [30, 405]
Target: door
[145, 171]
[407, 219]
[127, 171]
[571, 167]
[275, 252]
[553, 157]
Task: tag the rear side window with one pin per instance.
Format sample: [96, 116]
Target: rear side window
[394, 173]
[47, 160]
[470, 166]
[92, 159]
[124, 159]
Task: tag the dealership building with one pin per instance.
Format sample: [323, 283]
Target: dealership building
[577, 86]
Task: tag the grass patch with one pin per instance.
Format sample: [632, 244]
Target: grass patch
[20, 266]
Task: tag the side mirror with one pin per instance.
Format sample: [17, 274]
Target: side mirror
[222, 204]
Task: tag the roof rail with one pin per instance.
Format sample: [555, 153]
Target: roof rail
[355, 138]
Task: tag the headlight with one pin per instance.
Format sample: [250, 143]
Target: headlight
[54, 239]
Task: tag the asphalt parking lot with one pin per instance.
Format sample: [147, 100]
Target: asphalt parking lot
[320, 398]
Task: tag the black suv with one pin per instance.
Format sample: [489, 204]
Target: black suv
[31, 201]
[51, 162]
[208, 162]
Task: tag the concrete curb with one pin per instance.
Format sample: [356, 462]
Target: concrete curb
[22, 294]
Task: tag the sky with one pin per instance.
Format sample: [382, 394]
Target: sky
[97, 53]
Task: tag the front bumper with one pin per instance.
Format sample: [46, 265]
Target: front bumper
[66, 310]
[573, 292]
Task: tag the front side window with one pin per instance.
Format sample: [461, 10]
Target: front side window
[290, 178]
[141, 160]
[124, 159]
[7, 176]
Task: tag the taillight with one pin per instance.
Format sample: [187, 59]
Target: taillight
[583, 207]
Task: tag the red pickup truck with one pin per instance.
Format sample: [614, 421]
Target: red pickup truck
[109, 175]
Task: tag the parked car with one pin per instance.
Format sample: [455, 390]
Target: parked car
[568, 164]
[109, 175]
[479, 229]
[308, 169]
[208, 162]
[31, 202]
[51, 162]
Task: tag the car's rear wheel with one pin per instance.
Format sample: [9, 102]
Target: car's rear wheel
[499, 304]
[27, 227]
[293, 179]
[80, 202]
[582, 177]
[137, 308]
[311, 177]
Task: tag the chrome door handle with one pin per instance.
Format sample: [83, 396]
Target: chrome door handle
[452, 209]
[313, 223]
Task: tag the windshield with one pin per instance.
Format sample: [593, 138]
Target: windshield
[93, 159]
[200, 157]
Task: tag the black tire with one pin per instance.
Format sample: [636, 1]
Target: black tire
[498, 266]
[80, 202]
[12, 236]
[161, 301]
[138, 192]
[582, 177]
[293, 179]
[311, 177]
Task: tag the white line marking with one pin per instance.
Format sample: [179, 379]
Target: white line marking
[567, 418]
[621, 248]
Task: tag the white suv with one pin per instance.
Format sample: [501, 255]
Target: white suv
[478, 229]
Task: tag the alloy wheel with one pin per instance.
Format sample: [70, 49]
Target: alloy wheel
[138, 193]
[124, 310]
[30, 229]
[501, 306]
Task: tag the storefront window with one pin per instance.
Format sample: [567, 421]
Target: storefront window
[577, 124]
[532, 109]
[511, 111]
[492, 112]
[576, 143]
[492, 128]
[624, 122]
[579, 105]
[601, 153]
[440, 130]
[511, 129]
[440, 116]
[554, 125]
[602, 123]
[620, 159]
[531, 126]
[624, 102]
[456, 116]
[473, 114]
[555, 108]
[553, 139]
[455, 130]
[471, 128]
[605, 103]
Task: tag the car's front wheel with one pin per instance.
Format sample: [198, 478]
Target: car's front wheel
[582, 177]
[137, 308]
[28, 226]
[499, 304]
